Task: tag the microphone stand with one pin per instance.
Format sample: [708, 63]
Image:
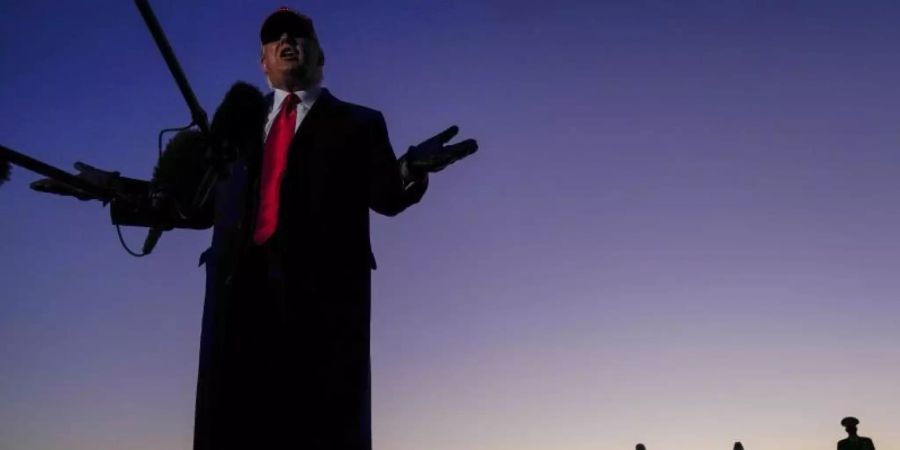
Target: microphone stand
[37, 166]
[214, 155]
[128, 190]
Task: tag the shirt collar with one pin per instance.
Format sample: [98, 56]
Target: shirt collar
[307, 97]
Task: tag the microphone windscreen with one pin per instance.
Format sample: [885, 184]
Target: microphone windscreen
[240, 119]
[181, 167]
[237, 125]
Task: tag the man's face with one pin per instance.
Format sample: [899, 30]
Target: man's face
[291, 63]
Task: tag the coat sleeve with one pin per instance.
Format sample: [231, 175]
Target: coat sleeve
[389, 194]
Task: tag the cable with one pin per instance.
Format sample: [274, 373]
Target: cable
[159, 152]
[164, 131]
[125, 246]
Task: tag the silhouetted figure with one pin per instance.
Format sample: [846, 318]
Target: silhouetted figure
[640, 447]
[284, 347]
[854, 441]
[738, 446]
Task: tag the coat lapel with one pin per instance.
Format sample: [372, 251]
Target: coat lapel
[314, 122]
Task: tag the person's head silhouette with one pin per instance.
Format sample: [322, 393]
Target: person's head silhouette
[640, 447]
[738, 446]
[849, 424]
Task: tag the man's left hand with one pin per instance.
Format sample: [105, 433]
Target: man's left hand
[433, 155]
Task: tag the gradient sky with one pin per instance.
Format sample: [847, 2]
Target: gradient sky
[681, 229]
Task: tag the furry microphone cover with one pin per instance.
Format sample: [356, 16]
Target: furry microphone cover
[237, 127]
[239, 122]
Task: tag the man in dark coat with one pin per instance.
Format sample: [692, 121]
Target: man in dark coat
[284, 352]
[284, 357]
[285, 345]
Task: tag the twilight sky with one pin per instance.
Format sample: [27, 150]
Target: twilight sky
[681, 229]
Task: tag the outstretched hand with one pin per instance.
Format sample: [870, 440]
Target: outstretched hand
[433, 155]
[90, 174]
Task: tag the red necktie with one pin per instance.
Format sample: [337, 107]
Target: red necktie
[274, 160]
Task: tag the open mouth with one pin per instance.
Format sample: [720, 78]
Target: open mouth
[288, 53]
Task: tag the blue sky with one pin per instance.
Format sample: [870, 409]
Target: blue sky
[680, 229]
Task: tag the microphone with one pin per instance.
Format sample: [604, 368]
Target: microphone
[176, 177]
[193, 161]
[152, 238]
[161, 202]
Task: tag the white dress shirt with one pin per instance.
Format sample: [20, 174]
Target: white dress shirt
[307, 100]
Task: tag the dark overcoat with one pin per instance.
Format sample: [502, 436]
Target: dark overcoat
[284, 355]
[856, 443]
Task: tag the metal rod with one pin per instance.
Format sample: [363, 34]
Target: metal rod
[42, 168]
[197, 113]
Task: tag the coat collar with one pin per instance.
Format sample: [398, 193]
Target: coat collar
[307, 97]
[314, 118]
[322, 106]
